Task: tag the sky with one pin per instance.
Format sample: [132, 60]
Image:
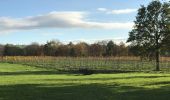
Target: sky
[27, 21]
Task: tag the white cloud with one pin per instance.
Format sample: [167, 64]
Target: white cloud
[51, 34]
[123, 11]
[102, 9]
[57, 20]
[90, 41]
[118, 11]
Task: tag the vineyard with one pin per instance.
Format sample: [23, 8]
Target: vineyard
[91, 63]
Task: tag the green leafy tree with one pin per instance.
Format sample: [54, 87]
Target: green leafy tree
[33, 49]
[51, 47]
[111, 49]
[150, 31]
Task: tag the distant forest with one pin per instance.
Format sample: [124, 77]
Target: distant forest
[81, 49]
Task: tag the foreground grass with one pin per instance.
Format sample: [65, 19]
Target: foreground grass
[18, 82]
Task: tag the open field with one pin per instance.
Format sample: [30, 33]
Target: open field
[92, 63]
[19, 82]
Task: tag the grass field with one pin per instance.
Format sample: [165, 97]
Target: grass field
[18, 82]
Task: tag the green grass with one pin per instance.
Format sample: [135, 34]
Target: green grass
[18, 82]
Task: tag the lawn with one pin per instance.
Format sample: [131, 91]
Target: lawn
[18, 82]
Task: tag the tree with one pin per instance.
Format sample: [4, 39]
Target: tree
[81, 49]
[95, 50]
[1, 50]
[13, 50]
[51, 47]
[71, 51]
[150, 29]
[103, 45]
[62, 50]
[122, 50]
[33, 49]
[111, 49]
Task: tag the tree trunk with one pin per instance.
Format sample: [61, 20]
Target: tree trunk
[157, 60]
[157, 52]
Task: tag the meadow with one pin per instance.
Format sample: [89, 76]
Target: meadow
[23, 82]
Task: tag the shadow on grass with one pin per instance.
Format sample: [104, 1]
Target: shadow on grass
[49, 72]
[32, 73]
[159, 83]
[81, 92]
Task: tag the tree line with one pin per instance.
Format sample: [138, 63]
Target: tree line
[57, 48]
[81, 49]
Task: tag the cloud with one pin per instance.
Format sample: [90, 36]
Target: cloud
[123, 11]
[102, 9]
[51, 34]
[57, 20]
[118, 11]
[90, 41]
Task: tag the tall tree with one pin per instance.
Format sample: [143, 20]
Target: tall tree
[111, 48]
[150, 29]
[33, 49]
[95, 50]
[51, 47]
